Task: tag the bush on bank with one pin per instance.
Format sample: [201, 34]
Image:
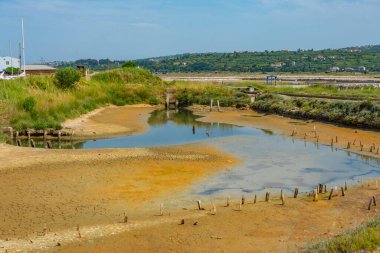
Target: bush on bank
[352, 113]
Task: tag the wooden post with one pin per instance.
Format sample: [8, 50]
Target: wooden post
[28, 133]
[318, 139]
[370, 149]
[348, 145]
[370, 204]
[336, 139]
[325, 188]
[267, 198]
[11, 132]
[32, 144]
[49, 145]
[167, 101]
[255, 199]
[320, 188]
[354, 142]
[332, 142]
[282, 198]
[200, 205]
[315, 195]
[295, 193]
[343, 193]
[213, 209]
[218, 105]
[242, 200]
[17, 134]
[228, 201]
[331, 193]
[374, 200]
[78, 230]
[161, 209]
[45, 134]
[19, 142]
[125, 218]
[211, 104]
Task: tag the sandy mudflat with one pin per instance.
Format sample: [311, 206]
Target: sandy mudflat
[47, 193]
[111, 121]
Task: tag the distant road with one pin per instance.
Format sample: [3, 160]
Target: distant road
[302, 79]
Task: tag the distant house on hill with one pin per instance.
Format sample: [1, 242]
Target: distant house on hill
[38, 69]
[7, 62]
[334, 69]
[278, 64]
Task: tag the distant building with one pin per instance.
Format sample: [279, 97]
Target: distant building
[37, 69]
[7, 62]
[334, 69]
[278, 64]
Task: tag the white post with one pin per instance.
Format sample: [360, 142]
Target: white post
[23, 43]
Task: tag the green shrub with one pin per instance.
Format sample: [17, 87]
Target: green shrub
[129, 64]
[29, 104]
[67, 77]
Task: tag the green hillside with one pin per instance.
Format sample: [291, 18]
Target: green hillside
[362, 59]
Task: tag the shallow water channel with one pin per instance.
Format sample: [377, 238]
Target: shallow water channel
[270, 161]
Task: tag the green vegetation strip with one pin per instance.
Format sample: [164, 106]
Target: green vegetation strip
[366, 238]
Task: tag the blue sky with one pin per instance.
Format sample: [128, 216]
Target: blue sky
[131, 29]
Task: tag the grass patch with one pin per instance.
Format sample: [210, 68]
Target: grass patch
[365, 238]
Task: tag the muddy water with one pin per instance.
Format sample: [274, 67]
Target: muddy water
[270, 162]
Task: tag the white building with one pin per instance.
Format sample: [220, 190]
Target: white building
[7, 62]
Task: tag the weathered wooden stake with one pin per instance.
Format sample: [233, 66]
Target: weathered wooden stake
[242, 200]
[32, 144]
[332, 142]
[295, 193]
[336, 139]
[200, 205]
[49, 145]
[267, 197]
[374, 200]
[211, 104]
[325, 188]
[19, 142]
[343, 193]
[348, 145]
[315, 195]
[282, 198]
[255, 199]
[78, 230]
[45, 133]
[28, 133]
[228, 201]
[218, 105]
[331, 193]
[320, 188]
[125, 218]
[213, 209]
[161, 209]
[370, 204]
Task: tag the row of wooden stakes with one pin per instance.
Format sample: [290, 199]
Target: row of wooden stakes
[372, 148]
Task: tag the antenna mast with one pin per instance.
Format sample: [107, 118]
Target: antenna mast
[23, 43]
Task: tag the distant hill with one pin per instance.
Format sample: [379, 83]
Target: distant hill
[350, 59]
[363, 58]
